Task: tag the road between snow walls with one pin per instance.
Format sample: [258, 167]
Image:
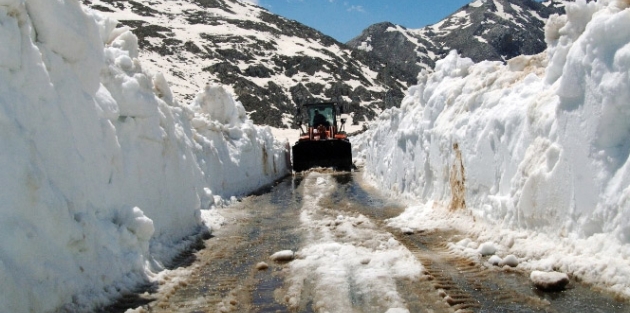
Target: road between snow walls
[294, 248]
[102, 174]
[319, 241]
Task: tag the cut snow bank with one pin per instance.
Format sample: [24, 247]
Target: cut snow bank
[102, 174]
[537, 150]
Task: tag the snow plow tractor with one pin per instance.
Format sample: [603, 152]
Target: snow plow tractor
[321, 144]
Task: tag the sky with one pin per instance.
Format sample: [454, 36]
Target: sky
[346, 19]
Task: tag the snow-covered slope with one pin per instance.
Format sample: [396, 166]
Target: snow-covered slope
[535, 151]
[271, 64]
[102, 172]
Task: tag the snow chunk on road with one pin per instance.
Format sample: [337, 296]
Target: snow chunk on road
[283, 256]
[549, 280]
[510, 261]
[261, 266]
[495, 260]
[487, 248]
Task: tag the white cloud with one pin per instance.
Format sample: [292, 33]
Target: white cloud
[357, 8]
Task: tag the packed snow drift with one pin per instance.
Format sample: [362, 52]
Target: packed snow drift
[534, 154]
[103, 175]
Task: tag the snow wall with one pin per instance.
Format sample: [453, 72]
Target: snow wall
[102, 174]
[539, 144]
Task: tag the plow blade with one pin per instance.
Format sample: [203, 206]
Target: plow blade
[336, 154]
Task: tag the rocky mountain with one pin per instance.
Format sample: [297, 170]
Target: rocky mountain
[494, 30]
[271, 63]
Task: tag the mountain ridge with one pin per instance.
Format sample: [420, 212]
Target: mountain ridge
[271, 63]
[494, 30]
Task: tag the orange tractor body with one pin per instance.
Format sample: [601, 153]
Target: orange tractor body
[322, 144]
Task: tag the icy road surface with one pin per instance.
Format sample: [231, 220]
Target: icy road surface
[346, 260]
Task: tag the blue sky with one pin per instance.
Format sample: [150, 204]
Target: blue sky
[345, 19]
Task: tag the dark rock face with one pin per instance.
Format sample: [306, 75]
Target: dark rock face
[495, 30]
[500, 30]
[271, 64]
[400, 56]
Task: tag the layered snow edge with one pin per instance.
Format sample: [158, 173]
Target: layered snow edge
[103, 174]
[532, 155]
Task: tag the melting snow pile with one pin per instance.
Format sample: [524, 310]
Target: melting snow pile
[102, 173]
[538, 149]
[346, 258]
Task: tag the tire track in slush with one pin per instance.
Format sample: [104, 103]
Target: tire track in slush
[468, 285]
[225, 277]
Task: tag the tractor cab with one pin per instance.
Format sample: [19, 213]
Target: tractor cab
[321, 122]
